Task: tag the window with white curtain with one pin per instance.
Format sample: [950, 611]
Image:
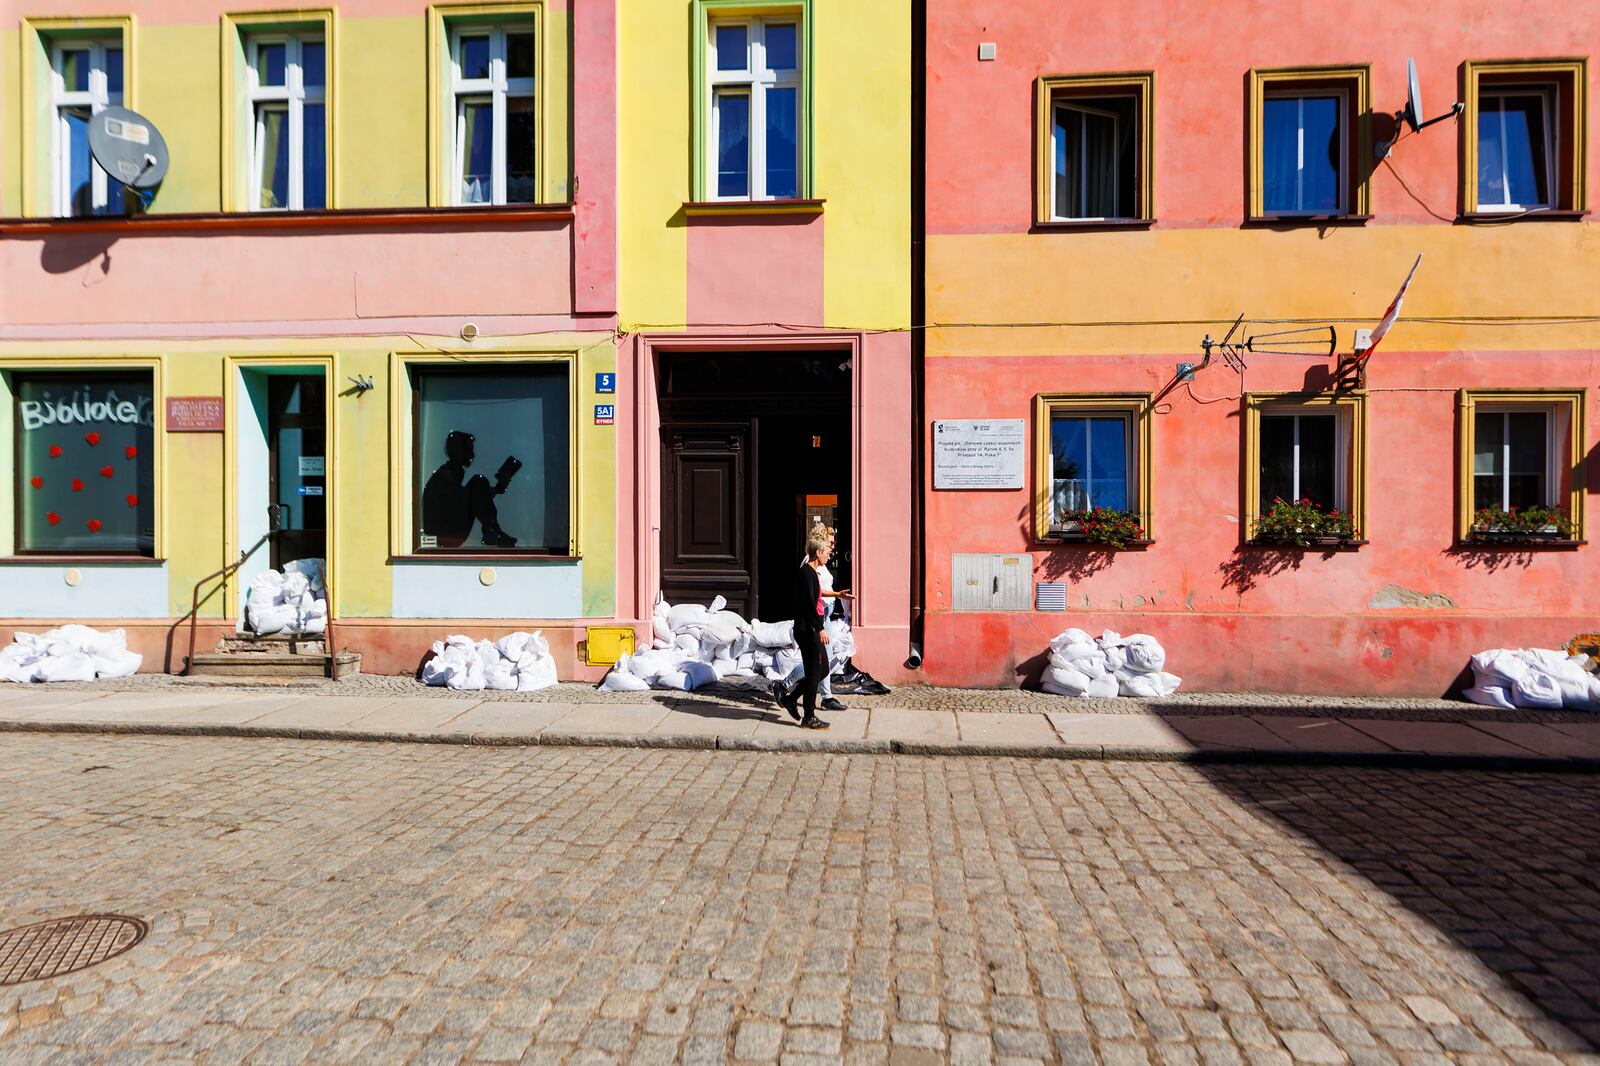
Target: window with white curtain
[1516, 148]
[493, 118]
[753, 133]
[288, 146]
[1512, 450]
[1095, 175]
[85, 78]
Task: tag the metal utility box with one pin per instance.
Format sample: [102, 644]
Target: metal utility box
[606, 644]
[991, 582]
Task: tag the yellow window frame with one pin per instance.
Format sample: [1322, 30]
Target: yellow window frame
[1467, 402]
[1354, 403]
[402, 436]
[236, 122]
[440, 16]
[1356, 81]
[1569, 128]
[37, 33]
[1136, 407]
[33, 365]
[1140, 83]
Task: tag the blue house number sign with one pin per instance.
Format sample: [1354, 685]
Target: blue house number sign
[605, 381]
[605, 414]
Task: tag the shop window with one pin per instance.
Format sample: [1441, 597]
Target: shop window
[85, 468]
[1520, 453]
[1093, 453]
[1307, 156]
[86, 77]
[1095, 148]
[492, 463]
[1305, 449]
[1524, 133]
[752, 122]
[288, 142]
[492, 126]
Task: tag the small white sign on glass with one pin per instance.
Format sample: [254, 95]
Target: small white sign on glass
[973, 454]
[311, 466]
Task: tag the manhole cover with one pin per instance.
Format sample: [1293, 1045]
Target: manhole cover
[65, 945]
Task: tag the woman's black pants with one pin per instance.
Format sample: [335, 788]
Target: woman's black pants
[815, 658]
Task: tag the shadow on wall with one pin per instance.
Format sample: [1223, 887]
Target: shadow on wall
[66, 252]
[1507, 866]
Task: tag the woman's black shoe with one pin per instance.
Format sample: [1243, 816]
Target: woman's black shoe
[789, 702]
[813, 723]
[831, 704]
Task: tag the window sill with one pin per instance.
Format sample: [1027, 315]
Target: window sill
[81, 560]
[1079, 540]
[1307, 220]
[704, 208]
[343, 218]
[1320, 544]
[1519, 541]
[484, 557]
[1541, 214]
[1055, 224]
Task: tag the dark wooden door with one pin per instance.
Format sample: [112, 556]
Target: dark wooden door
[708, 544]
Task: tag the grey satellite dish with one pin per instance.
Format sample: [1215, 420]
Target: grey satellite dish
[129, 148]
[1413, 109]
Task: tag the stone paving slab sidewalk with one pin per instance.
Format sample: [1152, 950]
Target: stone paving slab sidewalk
[1059, 728]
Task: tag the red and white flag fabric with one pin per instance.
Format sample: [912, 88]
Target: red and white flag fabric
[1390, 315]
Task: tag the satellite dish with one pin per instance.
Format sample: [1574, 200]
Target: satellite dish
[129, 148]
[1413, 109]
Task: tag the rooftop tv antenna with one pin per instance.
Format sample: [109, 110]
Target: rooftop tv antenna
[1411, 114]
[1317, 342]
[129, 149]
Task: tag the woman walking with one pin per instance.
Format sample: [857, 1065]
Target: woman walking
[809, 632]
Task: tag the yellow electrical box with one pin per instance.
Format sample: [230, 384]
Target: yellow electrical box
[606, 644]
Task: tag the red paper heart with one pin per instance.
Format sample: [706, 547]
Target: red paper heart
[133, 501]
[92, 438]
[107, 471]
[55, 451]
[130, 451]
[94, 525]
[36, 482]
[77, 486]
[53, 518]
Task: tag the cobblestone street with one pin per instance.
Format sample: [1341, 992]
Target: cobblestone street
[328, 902]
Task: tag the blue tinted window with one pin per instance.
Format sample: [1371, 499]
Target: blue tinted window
[733, 144]
[474, 57]
[1513, 161]
[314, 156]
[114, 73]
[270, 64]
[780, 40]
[477, 151]
[80, 168]
[1300, 154]
[733, 44]
[313, 62]
[1089, 456]
[782, 145]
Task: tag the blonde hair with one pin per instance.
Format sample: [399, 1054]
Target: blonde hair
[820, 537]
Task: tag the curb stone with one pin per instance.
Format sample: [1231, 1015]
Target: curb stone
[822, 745]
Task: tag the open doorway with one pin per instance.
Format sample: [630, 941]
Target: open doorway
[755, 447]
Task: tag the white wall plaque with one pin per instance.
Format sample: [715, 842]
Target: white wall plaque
[988, 454]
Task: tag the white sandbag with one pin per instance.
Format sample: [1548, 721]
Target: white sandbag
[1498, 668]
[618, 681]
[675, 679]
[513, 645]
[501, 675]
[1071, 638]
[74, 666]
[698, 675]
[772, 634]
[1102, 688]
[841, 641]
[687, 644]
[1146, 686]
[266, 586]
[747, 661]
[1116, 658]
[470, 678]
[724, 627]
[1065, 682]
[786, 659]
[1490, 696]
[313, 569]
[687, 614]
[295, 585]
[313, 626]
[117, 664]
[723, 667]
[269, 618]
[1538, 689]
[535, 672]
[1144, 653]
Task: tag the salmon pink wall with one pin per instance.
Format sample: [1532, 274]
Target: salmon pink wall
[740, 273]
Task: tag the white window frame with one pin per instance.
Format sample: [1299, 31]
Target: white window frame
[1343, 177]
[1341, 453]
[97, 98]
[1116, 160]
[1552, 471]
[1130, 459]
[291, 96]
[756, 78]
[1552, 101]
[496, 88]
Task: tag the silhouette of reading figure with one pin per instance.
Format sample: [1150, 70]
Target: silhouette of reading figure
[449, 508]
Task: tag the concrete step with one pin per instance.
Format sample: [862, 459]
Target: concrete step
[275, 664]
[295, 645]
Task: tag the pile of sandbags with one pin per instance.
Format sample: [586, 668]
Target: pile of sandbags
[1107, 666]
[293, 601]
[694, 645]
[68, 653]
[1533, 677]
[517, 661]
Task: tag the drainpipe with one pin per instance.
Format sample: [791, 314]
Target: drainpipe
[919, 349]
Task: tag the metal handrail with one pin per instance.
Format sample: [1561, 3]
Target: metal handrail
[274, 527]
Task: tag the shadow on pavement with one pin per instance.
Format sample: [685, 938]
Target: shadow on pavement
[1506, 865]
